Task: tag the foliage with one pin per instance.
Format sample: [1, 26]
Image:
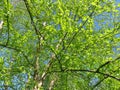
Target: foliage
[60, 44]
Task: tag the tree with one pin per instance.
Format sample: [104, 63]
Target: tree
[60, 45]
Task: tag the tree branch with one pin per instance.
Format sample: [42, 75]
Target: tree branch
[106, 63]
[18, 50]
[91, 71]
[8, 26]
[31, 17]
[105, 78]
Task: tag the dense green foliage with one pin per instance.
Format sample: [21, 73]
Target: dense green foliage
[60, 45]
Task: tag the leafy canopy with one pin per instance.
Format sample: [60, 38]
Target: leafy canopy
[60, 44]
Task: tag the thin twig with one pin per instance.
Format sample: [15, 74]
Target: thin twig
[106, 63]
[91, 71]
[18, 50]
[8, 26]
[105, 78]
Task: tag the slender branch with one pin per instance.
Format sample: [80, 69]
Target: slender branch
[8, 26]
[118, 79]
[105, 78]
[91, 71]
[9, 47]
[75, 34]
[31, 17]
[99, 82]
[18, 50]
[106, 63]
